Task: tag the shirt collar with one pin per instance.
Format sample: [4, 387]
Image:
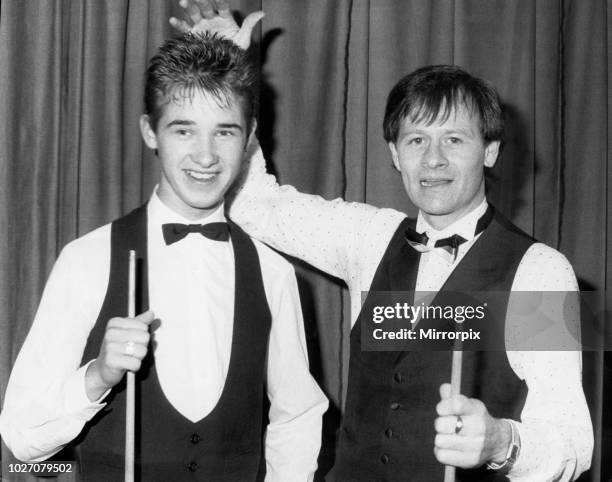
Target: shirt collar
[160, 213]
[464, 226]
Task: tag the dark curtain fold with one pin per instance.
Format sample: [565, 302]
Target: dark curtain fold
[586, 184]
[71, 159]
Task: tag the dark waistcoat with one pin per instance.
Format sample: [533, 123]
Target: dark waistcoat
[226, 445]
[388, 426]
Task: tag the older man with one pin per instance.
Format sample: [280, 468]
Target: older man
[521, 415]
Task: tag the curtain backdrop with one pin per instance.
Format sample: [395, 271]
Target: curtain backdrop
[71, 158]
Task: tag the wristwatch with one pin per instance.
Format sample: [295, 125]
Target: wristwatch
[513, 451]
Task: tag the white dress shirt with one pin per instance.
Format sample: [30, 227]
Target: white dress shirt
[191, 292]
[348, 240]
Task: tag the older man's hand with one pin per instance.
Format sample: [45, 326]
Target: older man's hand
[477, 439]
[215, 16]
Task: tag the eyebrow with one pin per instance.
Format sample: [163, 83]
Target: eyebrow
[459, 130]
[179, 122]
[184, 122]
[230, 125]
[417, 130]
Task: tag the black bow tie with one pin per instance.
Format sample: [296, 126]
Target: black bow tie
[451, 244]
[174, 232]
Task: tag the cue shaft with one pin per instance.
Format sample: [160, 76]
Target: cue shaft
[449, 470]
[131, 385]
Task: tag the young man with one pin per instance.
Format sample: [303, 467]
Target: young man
[522, 414]
[226, 311]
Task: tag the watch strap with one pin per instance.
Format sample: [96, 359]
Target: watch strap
[513, 450]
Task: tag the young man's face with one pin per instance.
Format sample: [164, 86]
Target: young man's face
[200, 146]
[442, 165]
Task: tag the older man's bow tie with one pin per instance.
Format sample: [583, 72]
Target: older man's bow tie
[174, 232]
[419, 242]
[451, 244]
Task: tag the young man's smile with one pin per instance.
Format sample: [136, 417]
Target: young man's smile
[200, 142]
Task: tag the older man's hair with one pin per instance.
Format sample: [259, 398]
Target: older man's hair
[205, 63]
[432, 93]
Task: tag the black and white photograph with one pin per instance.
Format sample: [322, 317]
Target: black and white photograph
[306, 240]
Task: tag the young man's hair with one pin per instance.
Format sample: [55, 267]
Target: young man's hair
[205, 63]
[431, 93]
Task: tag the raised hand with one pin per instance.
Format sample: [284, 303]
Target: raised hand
[124, 346]
[467, 436]
[215, 16]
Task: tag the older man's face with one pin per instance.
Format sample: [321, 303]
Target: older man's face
[442, 165]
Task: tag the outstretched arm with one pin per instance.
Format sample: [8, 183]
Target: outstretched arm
[344, 239]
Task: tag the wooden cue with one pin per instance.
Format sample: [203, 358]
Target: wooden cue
[449, 470]
[131, 385]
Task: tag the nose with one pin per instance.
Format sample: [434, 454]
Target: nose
[205, 154]
[434, 156]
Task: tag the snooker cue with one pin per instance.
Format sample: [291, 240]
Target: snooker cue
[449, 470]
[130, 389]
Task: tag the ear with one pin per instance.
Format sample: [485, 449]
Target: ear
[491, 153]
[394, 155]
[148, 134]
[252, 136]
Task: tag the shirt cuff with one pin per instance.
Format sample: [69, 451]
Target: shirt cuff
[541, 456]
[76, 401]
